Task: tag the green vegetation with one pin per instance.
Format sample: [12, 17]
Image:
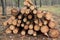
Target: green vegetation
[54, 9]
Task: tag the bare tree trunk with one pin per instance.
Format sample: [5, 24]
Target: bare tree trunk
[40, 3]
[3, 7]
[18, 3]
[35, 2]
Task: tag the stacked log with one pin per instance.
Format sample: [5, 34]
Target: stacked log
[31, 21]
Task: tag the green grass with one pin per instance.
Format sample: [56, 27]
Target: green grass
[53, 9]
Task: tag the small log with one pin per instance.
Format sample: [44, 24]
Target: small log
[29, 16]
[25, 20]
[36, 21]
[44, 29]
[36, 28]
[32, 7]
[12, 27]
[22, 25]
[20, 17]
[30, 32]
[18, 25]
[26, 27]
[53, 33]
[40, 23]
[34, 33]
[14, 22]
[5, 23]
[27, 11]
[23, 33]
[45, 22]
[15, 31]
[19, 21]
[28, 22]
[8, 31]
[34, 11]
[31, 26]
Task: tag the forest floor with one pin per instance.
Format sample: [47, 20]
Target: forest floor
[56, 15]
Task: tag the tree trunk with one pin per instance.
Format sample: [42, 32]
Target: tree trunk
[40, 3]
[3, 7]
[18, 3]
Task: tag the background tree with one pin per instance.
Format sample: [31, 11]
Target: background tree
[3, 7]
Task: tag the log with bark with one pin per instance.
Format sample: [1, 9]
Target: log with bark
[30, 21]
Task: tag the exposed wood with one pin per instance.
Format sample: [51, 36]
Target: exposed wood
[53, 33]
[52, 24]
[23, 32]
[30, 32]
[44, 29]
[36, 28]
[15, 31]
[8, 31]
[12, 27]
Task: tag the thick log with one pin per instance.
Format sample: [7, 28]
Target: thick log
[52, 24]
[53, 33]
[44, 29]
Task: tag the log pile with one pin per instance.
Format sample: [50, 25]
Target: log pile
[31, 21]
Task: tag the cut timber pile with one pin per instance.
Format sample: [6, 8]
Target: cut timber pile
[30, 21]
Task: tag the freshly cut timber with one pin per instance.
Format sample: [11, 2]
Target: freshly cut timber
[36, 28]
[12, 27]
[52, 24]
[30, 21]
[8, 31]
[53, 33]
[14, 11]
[15, 31]
[23, 32]
[30, 32]
[44, 29]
